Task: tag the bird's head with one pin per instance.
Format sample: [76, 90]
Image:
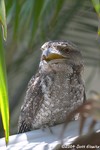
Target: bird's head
[60, 50]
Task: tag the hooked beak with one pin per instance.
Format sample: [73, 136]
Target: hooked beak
[50, 54]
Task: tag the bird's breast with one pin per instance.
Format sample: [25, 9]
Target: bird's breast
[62, 92]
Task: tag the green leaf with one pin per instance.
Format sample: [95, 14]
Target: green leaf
[96, 4]
[57, 11]
[3, 84]
[3, 18]
[37, 8]
[16, 22]
[4, 108]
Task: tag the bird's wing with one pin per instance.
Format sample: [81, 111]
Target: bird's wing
[32, 103]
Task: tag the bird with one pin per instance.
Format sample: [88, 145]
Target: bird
[56, 89]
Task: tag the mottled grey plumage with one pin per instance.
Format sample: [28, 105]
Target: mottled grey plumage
[57, 89]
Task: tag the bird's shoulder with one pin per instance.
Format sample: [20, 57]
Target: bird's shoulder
[33, 93]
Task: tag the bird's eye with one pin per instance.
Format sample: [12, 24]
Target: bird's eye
[67, 50]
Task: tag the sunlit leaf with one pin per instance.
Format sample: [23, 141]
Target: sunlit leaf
[3, 92]
[96, 4]
[3, 18]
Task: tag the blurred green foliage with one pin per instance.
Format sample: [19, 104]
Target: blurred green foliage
[4, 109]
